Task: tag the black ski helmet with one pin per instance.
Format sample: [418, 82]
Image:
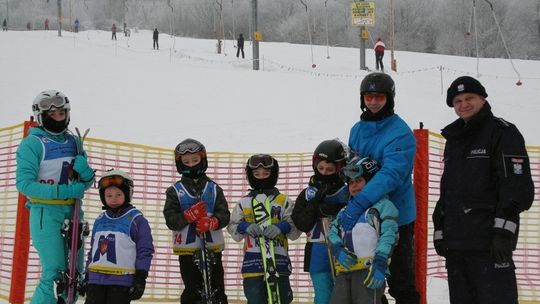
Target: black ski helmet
[119, 179]
[378, 82]
[190, 145]
[266, 161]
[360, 167]
[330, 150]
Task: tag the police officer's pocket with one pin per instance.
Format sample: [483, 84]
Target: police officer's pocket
[480, 215]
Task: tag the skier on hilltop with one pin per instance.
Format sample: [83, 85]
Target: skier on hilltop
[262, 172]
[52, 172]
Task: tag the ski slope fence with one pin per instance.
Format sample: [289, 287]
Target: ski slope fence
[153, 171]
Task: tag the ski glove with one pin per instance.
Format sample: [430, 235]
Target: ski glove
[74, 190]
[272, 232]
[254, 230]
[377, 270]
[501, 248]
[352, 212]
[345, 257]
[136, 290]
[80, 165]
[196, 212]
[439, 243]
[206, 223]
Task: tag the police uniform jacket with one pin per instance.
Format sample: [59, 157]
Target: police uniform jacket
[486, 182]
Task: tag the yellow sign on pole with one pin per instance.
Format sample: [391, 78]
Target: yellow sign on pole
[257, 36]
[363, 13]
[365, 34]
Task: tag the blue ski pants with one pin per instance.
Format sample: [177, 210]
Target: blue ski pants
[323, 283]
[255, 290]
[45, 231]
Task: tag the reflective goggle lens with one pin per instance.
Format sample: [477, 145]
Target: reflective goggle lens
[261, 160]
[108, 181]
[48, 103]
[374, 96]
[189, 147]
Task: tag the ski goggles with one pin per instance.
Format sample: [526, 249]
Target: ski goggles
[261, 160]
[374, 96]
[114, 180]
[48, 103]
[352, 171]
[189, 147]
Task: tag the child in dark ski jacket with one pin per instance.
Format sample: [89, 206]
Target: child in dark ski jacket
[121, 246]
[264, 215]
[363, 253]
[315, 208]
[196, 211]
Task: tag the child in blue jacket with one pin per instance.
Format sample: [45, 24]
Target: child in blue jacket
[315, 207]
[363, 253]
[121, 247]
[53, 172]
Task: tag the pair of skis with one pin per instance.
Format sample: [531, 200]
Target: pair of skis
[262, 213]
[204, 259]
[74, 231]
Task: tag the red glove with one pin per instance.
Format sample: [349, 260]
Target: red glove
[207, 224]
[196, 212]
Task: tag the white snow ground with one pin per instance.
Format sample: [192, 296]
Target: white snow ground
[126, 91]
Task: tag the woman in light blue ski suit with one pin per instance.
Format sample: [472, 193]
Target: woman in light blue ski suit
[52, 172]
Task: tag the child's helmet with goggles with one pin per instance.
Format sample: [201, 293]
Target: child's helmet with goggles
[47, 101]
[262, 161]
[190, 145]
[360, 167]
[119, 179]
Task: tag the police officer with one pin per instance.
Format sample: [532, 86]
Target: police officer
[485, 185]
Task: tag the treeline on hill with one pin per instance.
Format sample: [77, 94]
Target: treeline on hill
[432, 26]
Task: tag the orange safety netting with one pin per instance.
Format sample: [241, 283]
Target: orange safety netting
[153, 171]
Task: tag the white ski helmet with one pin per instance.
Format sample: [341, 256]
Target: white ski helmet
[119, 179]
[47, 100]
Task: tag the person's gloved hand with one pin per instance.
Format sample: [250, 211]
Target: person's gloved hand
[80, 165]
[345, 257]
[352, 212]
[501, 248]
[206, 223]
[272, 232]
[254, 230]
[136, 290]
[321, 193]
[377, 270]
[196, 212]
[73, 190]
[250, 228]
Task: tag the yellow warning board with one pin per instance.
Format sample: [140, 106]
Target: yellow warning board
[257, 36]
[363, 13]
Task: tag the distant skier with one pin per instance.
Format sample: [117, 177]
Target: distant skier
[46, 24]
[113, 30]
[77, 24]
[379, 53]
[240, 46]
[125, 29]
[47, 162]
[155, 36]
[29, 26]
[4, 25]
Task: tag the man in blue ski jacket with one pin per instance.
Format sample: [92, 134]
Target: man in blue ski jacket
[383, 135]
[52, 171]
